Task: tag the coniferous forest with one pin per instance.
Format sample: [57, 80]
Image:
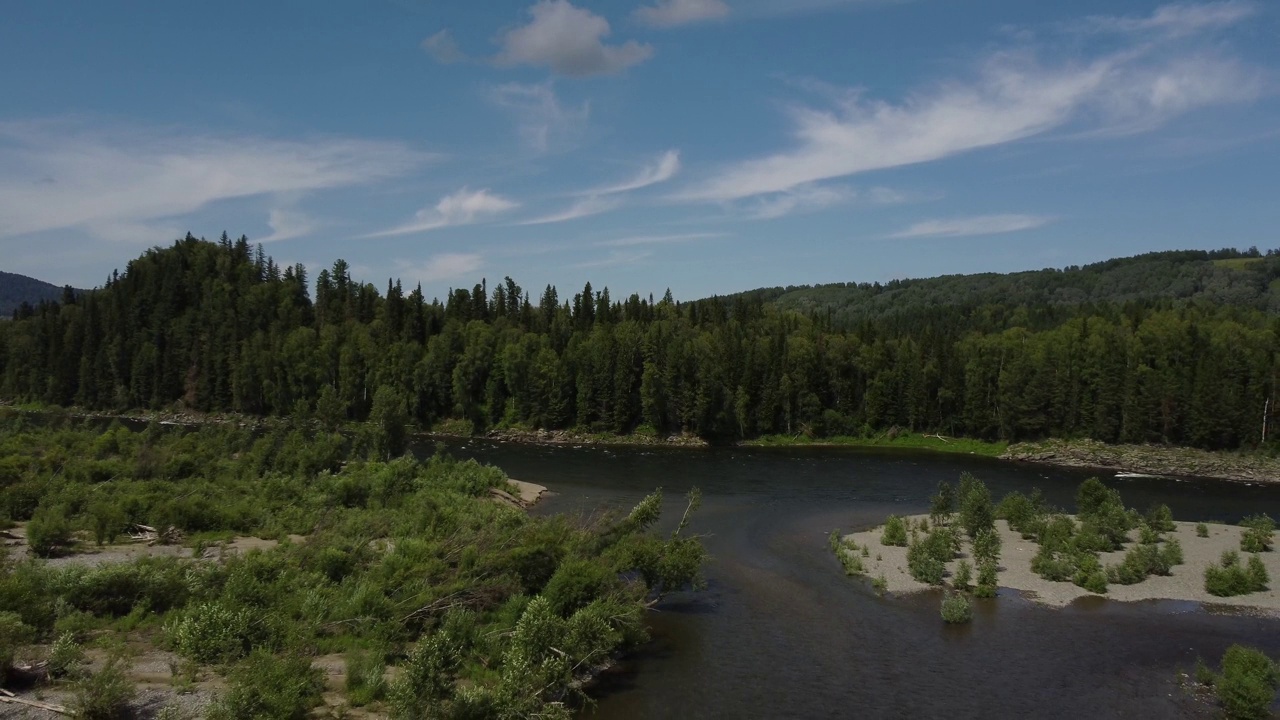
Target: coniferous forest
[1176, 347]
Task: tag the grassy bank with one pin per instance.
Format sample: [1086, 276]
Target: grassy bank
[906, 441]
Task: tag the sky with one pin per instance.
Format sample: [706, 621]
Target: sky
[706, 146]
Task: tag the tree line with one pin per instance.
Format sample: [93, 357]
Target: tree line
[218, 326]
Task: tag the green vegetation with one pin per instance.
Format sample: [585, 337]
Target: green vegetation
[1246, 688]
[927, 557]
[397, 560]
[1202, 530]
[1258, 533]
[1229, 578]
[987, 579]
[957, 608]
[1164, 348]
[895, 532]
[901, 439]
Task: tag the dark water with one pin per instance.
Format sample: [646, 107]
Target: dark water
[782, 633]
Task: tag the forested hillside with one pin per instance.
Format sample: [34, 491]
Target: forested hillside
[17, 289]
[1096, 352]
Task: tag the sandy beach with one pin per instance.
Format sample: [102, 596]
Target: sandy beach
[1186, 582]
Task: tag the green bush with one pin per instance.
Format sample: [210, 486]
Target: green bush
[956, 608]
[1229, 578]
[927, 557]
[988, 580]
[366, 678]
[13, 634]
[65, 656]
[1258, 533]
[976, 511]
[1202, 530]
[986, 546]
[1247, 686]
[267, 686]
[106, 694]
[963, 575]
[212, 633]
[943, 503]
[1160, 518]
[1143, 561]
[895, 532]
[49, 533]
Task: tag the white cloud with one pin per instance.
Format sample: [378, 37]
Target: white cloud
[1012, 98]
[444, 48]
[661, 171]
[805, 198]
[981, 225]
[616, 257]
[658, 239]
[671, 13]
[287, 224]
[543, 121]
[583, 208]
[463, 207]
[114, 182]
[1178, 19]
[570, 41]
[445, 266]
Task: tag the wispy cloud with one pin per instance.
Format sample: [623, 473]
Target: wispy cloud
[616, 257]
[672, 13]
[287, 224]
[585, 207]
[463, 207]
[568, 40]
[543, 121]
[444, 48]
[665, 168]
[1177, 20]
[805, 198]
[659, 239]
[970, 226]
[1013, 96]
[445, 266]
[59, 174]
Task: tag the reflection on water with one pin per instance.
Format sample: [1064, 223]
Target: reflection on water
[781, 633]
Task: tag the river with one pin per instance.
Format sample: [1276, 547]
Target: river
[782, 633]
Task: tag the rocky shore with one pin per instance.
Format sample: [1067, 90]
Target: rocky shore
[1160, 460]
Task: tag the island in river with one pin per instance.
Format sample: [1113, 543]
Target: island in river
[1185, 582]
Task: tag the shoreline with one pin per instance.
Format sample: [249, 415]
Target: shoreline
[1185, 584]
[1154, 460]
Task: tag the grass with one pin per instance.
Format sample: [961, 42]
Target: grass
[1237, 263]
[912, 441]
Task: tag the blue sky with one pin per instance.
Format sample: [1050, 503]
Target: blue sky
[707, 146]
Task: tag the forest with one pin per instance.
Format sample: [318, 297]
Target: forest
[1177, 348]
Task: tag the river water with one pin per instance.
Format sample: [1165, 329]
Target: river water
[782, 633]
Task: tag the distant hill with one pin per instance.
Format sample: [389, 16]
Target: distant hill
[16, 289]
[1238, 278]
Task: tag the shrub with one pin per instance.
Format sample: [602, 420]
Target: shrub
[1258, 533]
[366, 677]
[1148, 535]
[106, 694]
[943, 503]
[65, 656]
[986, 546]
[266, 686]
[576, 583]
[13, 634]
[1229, 578]
[895, 532]
[976, 511]
[988, 580]
[1202, 530]
[956, 608]
[1160, 518]
[211, 633]
[48, 533]
[927, 557]
[963, 576]
[1247, 686]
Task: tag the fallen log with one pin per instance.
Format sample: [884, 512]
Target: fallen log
[37, 704]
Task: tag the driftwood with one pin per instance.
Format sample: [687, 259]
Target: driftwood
[151, 536]
[940, 437]
[8, 697]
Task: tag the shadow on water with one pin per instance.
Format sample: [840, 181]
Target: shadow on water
[781, 632]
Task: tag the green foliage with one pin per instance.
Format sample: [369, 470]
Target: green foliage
[366, 678]
[1024, 514]
[13, 634]
[1160, 518]
[943, 503]
[65, 656]
[270, 686]
[388, 419]
[1258, 533]
[988, 579]
[212, 633]
[976, 511]
[927, 558]
[895, 532]
[1202, 530]
[49, 532]
[1229, 578]
[1247, 686]
[963, 575]
[1144, 560]
[986, 546]
[106, 694]
[957, 608]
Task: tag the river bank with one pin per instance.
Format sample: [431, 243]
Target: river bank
[1186, 583]
[1149, 460]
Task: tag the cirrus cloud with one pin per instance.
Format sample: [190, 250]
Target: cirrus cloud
[672, 13]
[463, 207]
[971, 226]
